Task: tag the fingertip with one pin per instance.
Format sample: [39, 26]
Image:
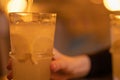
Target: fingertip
[54, 66]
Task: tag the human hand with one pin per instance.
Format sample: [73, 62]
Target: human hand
[65, 67]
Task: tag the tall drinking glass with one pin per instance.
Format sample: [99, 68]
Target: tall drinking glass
[32, 38]
[115, 45]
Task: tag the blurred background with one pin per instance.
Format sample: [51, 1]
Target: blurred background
[82, 26]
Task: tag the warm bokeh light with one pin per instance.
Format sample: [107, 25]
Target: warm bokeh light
[17, 5]
[112, 5]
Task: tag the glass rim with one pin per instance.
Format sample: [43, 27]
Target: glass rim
[20, 13]
[114, 16]
[20, 17]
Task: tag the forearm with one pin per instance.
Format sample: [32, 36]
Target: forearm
[95, 65]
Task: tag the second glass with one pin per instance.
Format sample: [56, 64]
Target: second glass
[115, 44]
[32, 38]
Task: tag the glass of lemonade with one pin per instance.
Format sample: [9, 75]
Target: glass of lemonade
[32, 38]
[115, 44]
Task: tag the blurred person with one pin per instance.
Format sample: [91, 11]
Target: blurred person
[82, 26]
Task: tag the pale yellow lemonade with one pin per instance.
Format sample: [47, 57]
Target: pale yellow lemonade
[31, 50]
[115, 50]
[115, 45]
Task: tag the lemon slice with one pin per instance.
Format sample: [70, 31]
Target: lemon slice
[41, 48]
[20, 46]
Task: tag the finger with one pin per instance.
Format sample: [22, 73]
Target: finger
[53, 67]
[58, 65]
[9, 76]
[9, 66]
